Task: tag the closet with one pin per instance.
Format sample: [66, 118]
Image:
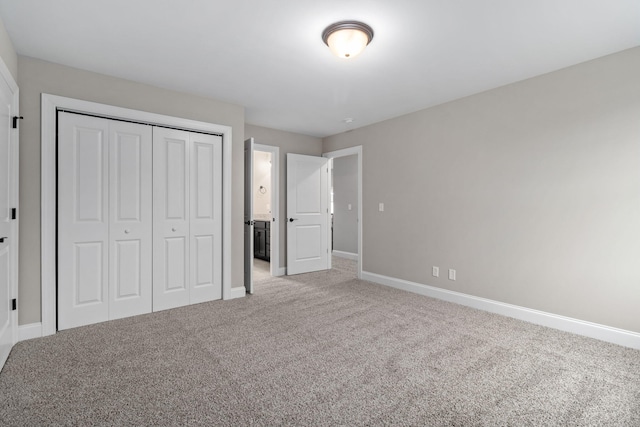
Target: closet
[139, 219]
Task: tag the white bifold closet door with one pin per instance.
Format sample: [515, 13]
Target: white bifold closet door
[104, 219]
[187, 218]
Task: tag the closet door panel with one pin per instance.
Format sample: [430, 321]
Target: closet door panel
[176, 178]
[130, 253]
[171, 150]
[127, 270]
[206, 221]
[177, 277]
[83, 220]
[203, 267]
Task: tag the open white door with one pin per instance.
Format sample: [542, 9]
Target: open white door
[307, 214]
[248, 215]
[8, 226]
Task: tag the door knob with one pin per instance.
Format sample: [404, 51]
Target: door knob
[2, 239]
[174, 229]
[293, 219]
[127, 231]
[249, 223]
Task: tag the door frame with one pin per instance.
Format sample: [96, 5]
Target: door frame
[275, 207]
[14, 197]
[357, 150]
[50, 105]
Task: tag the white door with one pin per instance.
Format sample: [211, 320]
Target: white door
[248, 215]
[307, 214]
[130, 219]
[187, 218]
[83, 220]
[205, 231]
[8, 231]
[170, 218]
[104, 220]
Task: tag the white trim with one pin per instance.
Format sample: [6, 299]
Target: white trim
[14, 197]
[50, 103]
[237, 292]
[343, 153]
[282, 271]
[345, 255]
[567, 324]
[15, 232]
[275, 204]
[30, 331]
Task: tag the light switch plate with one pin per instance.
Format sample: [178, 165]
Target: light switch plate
[452, 274]
[381, 207]
[435, 271]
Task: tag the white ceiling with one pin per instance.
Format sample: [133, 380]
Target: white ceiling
[268, 56]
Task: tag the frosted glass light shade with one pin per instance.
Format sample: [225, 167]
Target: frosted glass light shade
[348, 38]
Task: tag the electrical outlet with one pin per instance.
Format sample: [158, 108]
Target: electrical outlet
[452, 274]
[435, 271]
[381, 207]
[349, 207]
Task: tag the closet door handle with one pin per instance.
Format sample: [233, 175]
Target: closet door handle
[127, 231]
[293, 219]
[174, 229]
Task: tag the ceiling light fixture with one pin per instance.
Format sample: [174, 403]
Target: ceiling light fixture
[347, 39]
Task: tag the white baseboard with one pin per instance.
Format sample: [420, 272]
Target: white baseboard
[237, 292]
[30, 331]
[346, 255]
[282, 271]
[567, 324]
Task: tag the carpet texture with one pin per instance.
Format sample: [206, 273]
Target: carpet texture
[320, 349]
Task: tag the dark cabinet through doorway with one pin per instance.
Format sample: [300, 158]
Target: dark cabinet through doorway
[261, 240]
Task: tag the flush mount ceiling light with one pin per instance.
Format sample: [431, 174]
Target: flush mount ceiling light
[347, 39]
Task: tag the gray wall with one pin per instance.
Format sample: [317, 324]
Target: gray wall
[7, 52]
[530, 191]
[345, 192]
[35, 77]
[289, 143]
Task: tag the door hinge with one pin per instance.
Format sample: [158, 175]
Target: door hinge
[14, 213]
[15, 121]
[14, 304]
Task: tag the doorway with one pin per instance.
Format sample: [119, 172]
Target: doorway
[346, 209]
[344, 213]
[263, 200]
[262, 214]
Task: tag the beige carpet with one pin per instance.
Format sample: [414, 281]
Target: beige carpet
[320, 349]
